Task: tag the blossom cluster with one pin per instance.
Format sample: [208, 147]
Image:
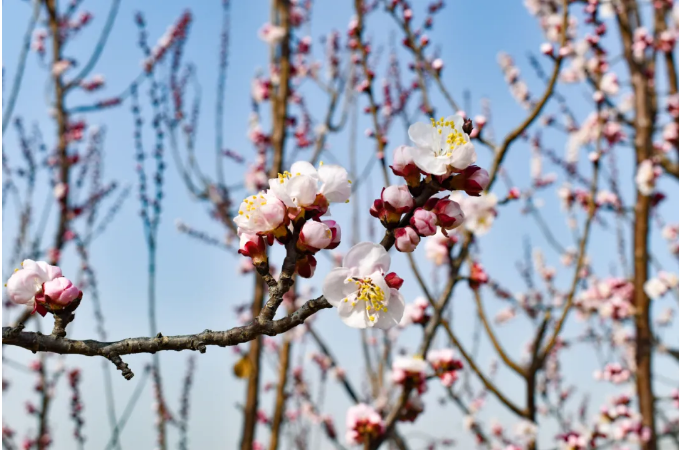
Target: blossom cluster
[41, 287]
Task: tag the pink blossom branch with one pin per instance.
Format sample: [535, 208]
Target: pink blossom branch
[38, 342]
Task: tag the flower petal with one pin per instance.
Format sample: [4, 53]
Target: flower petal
[395, 311]
[353, 316]
[302, 189]
[421, 134]
[426, 161]
[335, 286]
[463, 156]
[279, 190]
[304, 168]
[335, 187]
[367, 257]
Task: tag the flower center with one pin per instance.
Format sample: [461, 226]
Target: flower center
[454, 138]
[368, 292]
[252, 203]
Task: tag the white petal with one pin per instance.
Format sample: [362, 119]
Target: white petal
[304, 168]
[367, 257]
[429, 163]
[51, 272]
[302, 189]
[421, 134]
[279, 190]
[335, 187]
[353, 316]
[395, 311]
[335, 286]
[463, 156]
[457, 120]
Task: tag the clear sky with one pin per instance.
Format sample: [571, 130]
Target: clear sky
[199, 286]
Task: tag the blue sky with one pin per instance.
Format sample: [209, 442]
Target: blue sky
[198, 286]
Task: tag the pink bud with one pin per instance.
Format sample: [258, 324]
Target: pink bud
[547, 48]
[408, 14]
[397, 198]
[406, 239]
[60, 291]
[404, 166]
[514, 193]
[253, 246]
[424, 222]
[449, 214]
[393, 280]
[473, 180]
[438, 64]
[480, 121]
[314, 236]
[335, 231]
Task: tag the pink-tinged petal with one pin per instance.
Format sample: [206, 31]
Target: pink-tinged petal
[353, 316]
[336, 288]
[304, 168]
[367, 257]
[23, 286]
[51, 272]
[395, 311]
[302, 189]
[421, 134]
[336, 187]
[61, 291]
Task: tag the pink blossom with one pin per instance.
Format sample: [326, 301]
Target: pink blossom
[404, 166]
[335, 232]
[314, 236]
[438, 65]
[406, 239]
[449, 214]
[397, 198]
[411, 370]
[473, 180]
[25, 286]
[445, 365]
[60, 291]
[424, 222]
[271, 34]
[363, 422]
[253, 246]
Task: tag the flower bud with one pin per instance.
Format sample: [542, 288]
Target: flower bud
[335, 231]
[449, 214]
[314, 236]
[394, 201]
[424, 222]
[406, 239]
[473, 180]
[477, 275]
[467, 126]
[253, 246]
[403, 165]
[306, 266]
[393, 280]
[60, 292]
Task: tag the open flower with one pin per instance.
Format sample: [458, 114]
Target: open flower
[442, 146]
[363, 422]
[479, 212]
[311, 189]
[261, 214]
[26, 285]
[445, 365]
[359, 290]
[410, 370]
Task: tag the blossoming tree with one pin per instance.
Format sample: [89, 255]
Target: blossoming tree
[434, 271]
